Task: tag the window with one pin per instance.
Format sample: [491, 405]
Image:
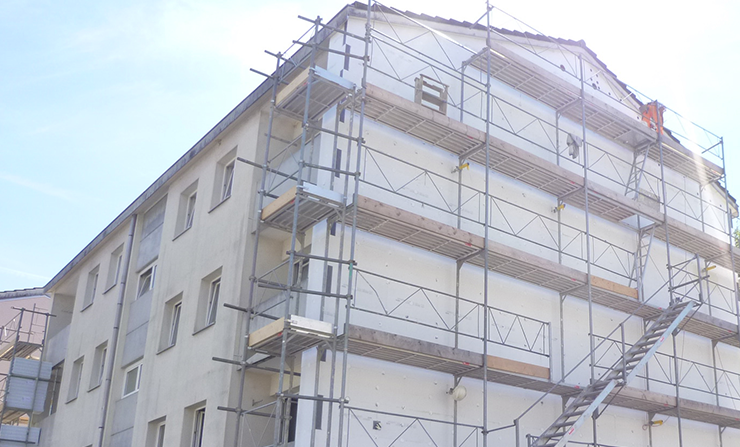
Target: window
[54, 385]
[228, 181]
[170, 323]
[159, 442]
[98, 369]
[146, 281]
[186, 209]
[224, 180]
[175, 324]
[200, 421]
[190, 210]
[213, 294]
[75, 379]
[92, 287]
[208, 300]
[132, 380]
[155, 433]
[114, 268]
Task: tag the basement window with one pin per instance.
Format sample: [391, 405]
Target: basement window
[431, 94]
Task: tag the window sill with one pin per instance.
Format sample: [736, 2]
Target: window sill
[218, 204]
[69, 401]
[182, 232]
[87, 306]
[166, 348]
[109, 288]
[204, 328]
[95, 387]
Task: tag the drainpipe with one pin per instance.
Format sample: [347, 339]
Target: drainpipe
[116, 329]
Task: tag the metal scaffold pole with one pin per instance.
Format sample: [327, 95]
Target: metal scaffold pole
[659, 131]
[592, 345]
[253, 270]
[486, 272]
[353, 233]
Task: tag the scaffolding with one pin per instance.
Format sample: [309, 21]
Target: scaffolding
[26, 379]
[606, 151]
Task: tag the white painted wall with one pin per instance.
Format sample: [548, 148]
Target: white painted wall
[404, 172]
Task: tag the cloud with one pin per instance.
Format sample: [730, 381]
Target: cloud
[48, 190]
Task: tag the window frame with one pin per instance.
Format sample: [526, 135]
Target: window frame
[114, 268]
[212, 304]
[76, 379]
[174, 324]
[91, 287]
[97, 376]
[138, 369]
[159, 436]
[227, 181]
[192, 199]
[199, 423]
[152, 273]
[55, 385]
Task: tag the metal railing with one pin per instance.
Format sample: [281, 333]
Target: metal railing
[419, 306]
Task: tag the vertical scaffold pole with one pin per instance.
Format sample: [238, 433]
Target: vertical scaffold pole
[280, 403]
[253, 272]
[353, 233]
[659, 131]
[592, 346]
[485, 228]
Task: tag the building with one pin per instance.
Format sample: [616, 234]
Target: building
[333, 264]
[24, 381]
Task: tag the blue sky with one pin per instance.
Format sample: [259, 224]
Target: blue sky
[97, 99]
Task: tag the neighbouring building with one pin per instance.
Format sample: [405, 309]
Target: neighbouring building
[417, 231]
[24, 381]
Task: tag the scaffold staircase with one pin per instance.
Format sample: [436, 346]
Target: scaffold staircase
[620, 375]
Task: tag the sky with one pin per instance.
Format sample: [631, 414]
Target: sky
[97, 99]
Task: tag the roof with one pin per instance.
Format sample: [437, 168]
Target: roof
[22, 293]
[513, 33]
[263, 89]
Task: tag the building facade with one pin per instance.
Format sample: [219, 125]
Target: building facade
[415, 230]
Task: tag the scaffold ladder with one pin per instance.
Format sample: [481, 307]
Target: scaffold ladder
[642, 255]
[636, 171]
[621, 373]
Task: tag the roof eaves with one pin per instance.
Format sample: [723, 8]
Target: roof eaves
[22, 293]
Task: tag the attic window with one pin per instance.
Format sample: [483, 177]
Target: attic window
[431, 93]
